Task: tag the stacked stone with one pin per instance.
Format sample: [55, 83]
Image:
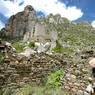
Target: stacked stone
[20, 70]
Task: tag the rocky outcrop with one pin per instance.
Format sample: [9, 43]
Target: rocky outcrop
[27, 26]
[21, 23]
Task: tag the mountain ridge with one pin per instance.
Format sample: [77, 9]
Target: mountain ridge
[27, 26]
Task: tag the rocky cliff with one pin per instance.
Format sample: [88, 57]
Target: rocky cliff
[21, 23]
[28, 26]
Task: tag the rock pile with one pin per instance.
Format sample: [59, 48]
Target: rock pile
[21, 23]
[78, 74]
[19, 70]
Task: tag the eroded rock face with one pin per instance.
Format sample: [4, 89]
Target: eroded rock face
[27, 26]
[33, 70]
[21, 23]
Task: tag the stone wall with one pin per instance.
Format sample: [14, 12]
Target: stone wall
[20, 70]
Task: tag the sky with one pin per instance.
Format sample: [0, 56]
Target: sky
[73, 10]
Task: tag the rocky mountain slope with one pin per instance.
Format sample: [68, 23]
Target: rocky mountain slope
[39, 46]
[27, 26]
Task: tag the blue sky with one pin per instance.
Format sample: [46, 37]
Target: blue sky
[74, 10]
[87, 6]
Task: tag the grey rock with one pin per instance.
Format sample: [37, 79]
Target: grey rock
[21, 23]
[85, 93]
[42, 47]
[80, 92]
[27, 52]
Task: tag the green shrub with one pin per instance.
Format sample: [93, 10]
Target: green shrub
[68, 50]
[2, 33]
[54, 79]
[58, 47]
[18, 46]
[6, 91]
[57, 50]
[31, 45]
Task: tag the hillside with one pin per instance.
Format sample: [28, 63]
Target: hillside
[28, 27]
[41, 51]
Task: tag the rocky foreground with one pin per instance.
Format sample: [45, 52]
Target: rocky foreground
[18, 70]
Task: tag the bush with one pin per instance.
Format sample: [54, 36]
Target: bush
[60, 49]
[57, 50]
[2, 33]
[31, 45]
[18, 46]
[54, 79]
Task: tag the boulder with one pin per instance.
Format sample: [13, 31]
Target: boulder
[92, 62]
[89, 88]
[27, 52]
[42, 47]
[21, 23]
[8, 44]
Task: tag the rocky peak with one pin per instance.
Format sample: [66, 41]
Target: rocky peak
[21, 23]
[28, 10]
[27, 26]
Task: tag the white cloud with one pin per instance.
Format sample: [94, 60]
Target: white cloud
[47, 6]
[53, 6]
[9, 8]
[1, 25]
[93, 24]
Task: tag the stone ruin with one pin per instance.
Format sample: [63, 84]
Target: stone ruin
[19, 70]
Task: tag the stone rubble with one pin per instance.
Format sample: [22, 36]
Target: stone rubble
[19, 70]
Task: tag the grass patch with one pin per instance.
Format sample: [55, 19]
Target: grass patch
[18, 46]
[29, 90]
[63, 50]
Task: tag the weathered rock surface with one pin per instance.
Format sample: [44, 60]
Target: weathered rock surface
[27, 67]
[34, 68]
[40, 47]
[27, 26]
[21, 23]
[27, 52]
